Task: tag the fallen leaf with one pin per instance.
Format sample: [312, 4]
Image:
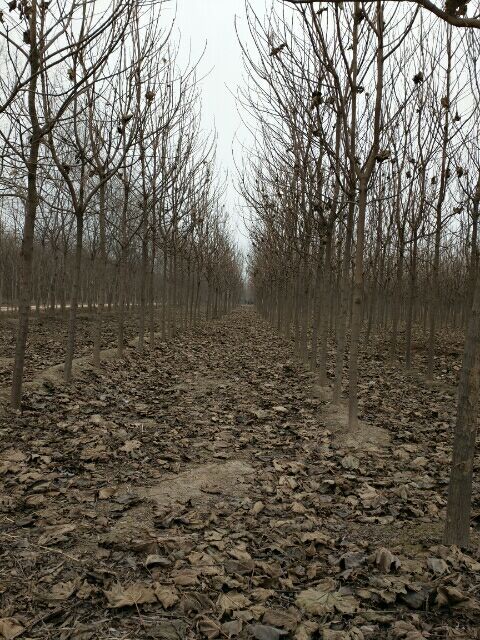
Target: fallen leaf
[208, 627]
[437, 565]
[386, 561]
[266, 632]
[232, 628]
[350, 462]
[10, 628]
[55, 534]
[306, 630]
[131, 445]
[285, 619]
[232, 601]
[322, 600]
[155, 560]
[134, 594]
[61, 590]
[167, 596]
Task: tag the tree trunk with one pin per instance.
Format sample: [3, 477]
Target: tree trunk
[102, 285]
[397, 301]
[344, 303]
[317, 310]
[72, 319]
[323, 330]
[357, 308]
[411, 302]
[26, 253]
[143, 281]
[25, 278]
[457, 528]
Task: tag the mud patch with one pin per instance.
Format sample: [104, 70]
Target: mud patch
[202, 484]
[53, 376]
[409, 537]
[134, 529]
[322, 393]
[366, 435]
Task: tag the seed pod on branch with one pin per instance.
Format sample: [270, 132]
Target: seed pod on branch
[316, 100]
[360, 15]
[445, 102]
[456, 8]
[418, 78]
[277, 50]
[25, 9]
[383, 155]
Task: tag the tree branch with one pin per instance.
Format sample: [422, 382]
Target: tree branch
[456, 21]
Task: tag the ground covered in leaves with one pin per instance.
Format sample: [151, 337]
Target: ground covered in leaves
[209, 490]
[48, 337]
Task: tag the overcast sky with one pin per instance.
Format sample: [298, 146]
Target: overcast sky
[210, 24]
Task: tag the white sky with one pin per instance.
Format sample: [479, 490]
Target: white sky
[210, 23]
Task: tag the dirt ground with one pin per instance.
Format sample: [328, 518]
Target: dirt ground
[209, 490]
[48, 337]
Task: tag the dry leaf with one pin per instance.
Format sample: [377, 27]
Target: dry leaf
[10, 628]
[55, 534]
[208, 628]
[232, 628]
[61, 590]
[437, 565]
[232, 601]
[386, 561]
[131, 445]
[350, 462]
[134, 594]
[285, 619]
[266, 632]
[168, 596]
[322, 600]
[155, 560]
[306, 630]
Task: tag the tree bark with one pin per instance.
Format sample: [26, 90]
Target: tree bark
[457, 527]
[26, 253]
[72, 318]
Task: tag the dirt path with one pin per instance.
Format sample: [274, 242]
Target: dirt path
[206, 490]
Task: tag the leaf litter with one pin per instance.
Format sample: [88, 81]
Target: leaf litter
[202, 491]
